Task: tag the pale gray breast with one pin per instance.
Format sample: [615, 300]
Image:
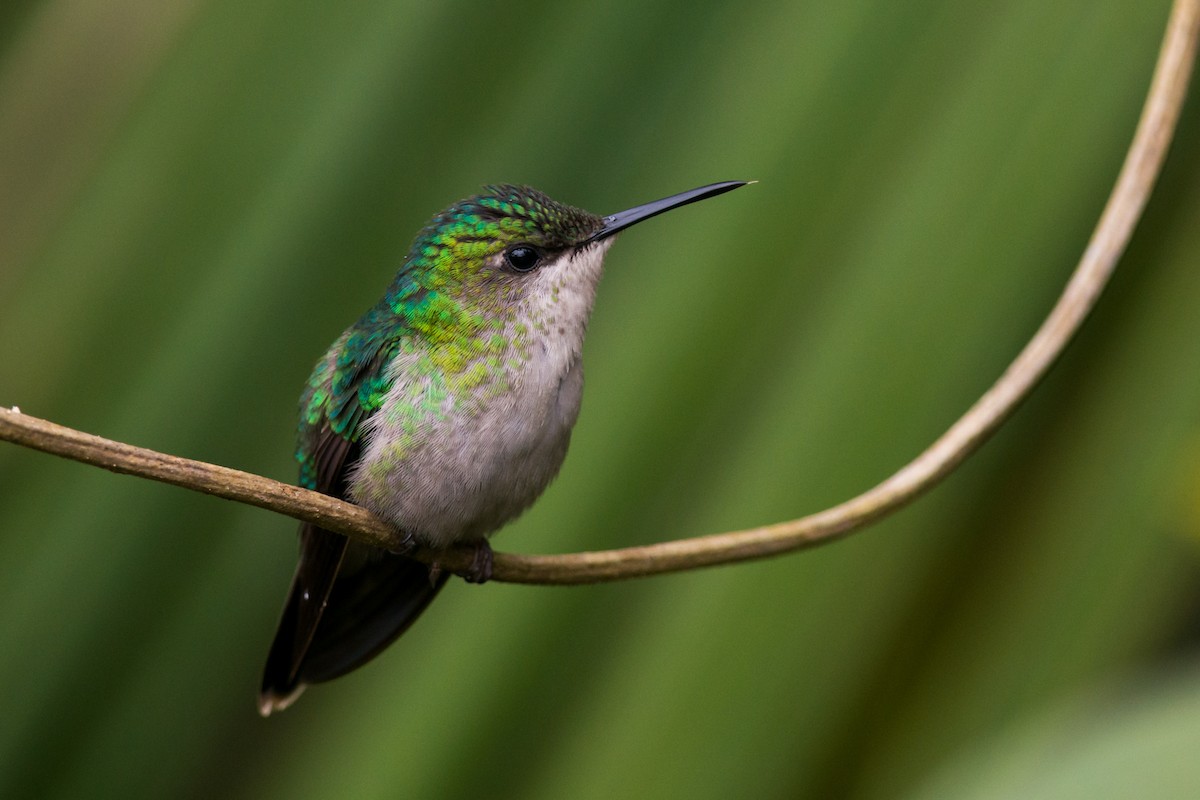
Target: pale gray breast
[474, 464]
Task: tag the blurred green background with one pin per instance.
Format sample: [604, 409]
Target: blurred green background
[197, 196]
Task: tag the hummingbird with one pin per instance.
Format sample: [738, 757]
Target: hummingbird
[446, 409]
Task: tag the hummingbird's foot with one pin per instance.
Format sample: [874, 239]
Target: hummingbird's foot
[406, 545]
[480, 570]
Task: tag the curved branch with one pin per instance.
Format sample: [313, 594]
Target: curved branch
[1125, 205]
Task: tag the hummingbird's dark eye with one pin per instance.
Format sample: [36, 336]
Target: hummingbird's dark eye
[522, 258]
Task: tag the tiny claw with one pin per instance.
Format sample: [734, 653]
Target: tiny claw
[408, 543]
[435, 572]
[480, 570]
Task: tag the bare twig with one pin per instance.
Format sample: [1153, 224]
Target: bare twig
[1124, 208]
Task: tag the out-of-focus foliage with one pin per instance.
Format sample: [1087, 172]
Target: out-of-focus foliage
[196, 196]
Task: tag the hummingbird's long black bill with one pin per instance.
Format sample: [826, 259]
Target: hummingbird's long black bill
[614, 223]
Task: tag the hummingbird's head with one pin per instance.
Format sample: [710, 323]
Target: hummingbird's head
[510, 258]
[499, 271]
[499, 246]
[514, 246]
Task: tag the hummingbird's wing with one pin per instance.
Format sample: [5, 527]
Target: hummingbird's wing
[320, 558]
[347, 601]
[321, 554]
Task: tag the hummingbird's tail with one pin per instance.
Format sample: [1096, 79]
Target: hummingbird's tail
[347, 603]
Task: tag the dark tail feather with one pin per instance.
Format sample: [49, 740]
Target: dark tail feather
[280, 685]
[367, 610]
[321, 556]
[359, 599]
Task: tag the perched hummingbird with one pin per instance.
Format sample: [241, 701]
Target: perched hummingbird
[446, 410]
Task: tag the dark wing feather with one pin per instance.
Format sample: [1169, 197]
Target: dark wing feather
[347, 601]
[321, 554]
